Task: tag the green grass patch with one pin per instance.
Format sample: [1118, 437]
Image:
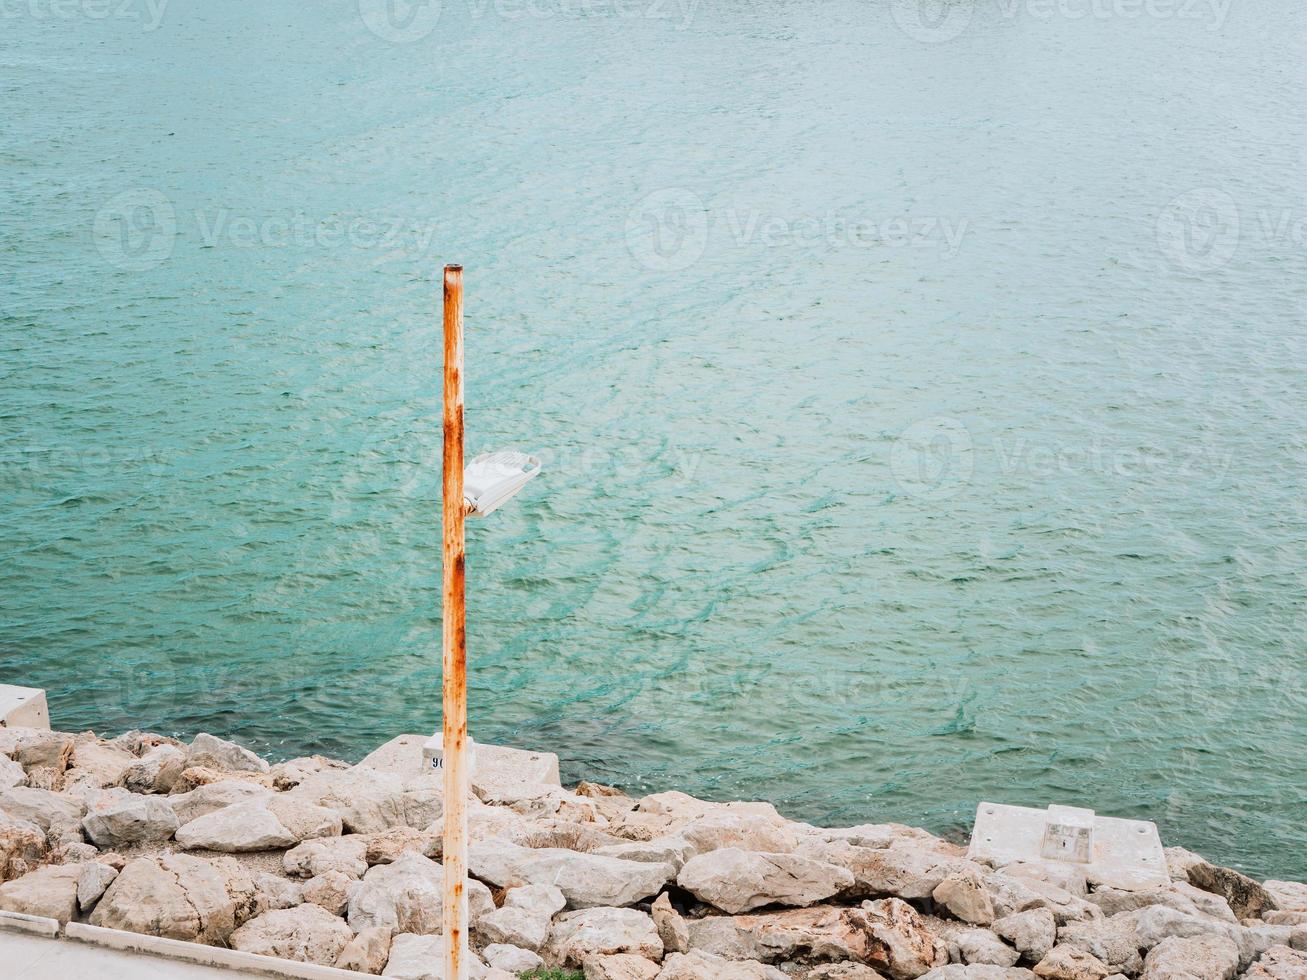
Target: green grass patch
[552, 974]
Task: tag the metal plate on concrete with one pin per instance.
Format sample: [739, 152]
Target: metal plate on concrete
[1109, 850]
[23, 707]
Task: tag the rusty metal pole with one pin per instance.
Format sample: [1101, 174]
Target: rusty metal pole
[455, 640]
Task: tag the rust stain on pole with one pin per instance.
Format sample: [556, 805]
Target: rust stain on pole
[455, 639]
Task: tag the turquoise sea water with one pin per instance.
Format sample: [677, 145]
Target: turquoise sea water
[922, 391]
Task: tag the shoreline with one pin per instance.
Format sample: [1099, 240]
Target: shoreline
[317, 860]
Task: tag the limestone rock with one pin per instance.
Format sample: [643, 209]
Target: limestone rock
[907, 868]
[22, 846]
[306, 934]
[512, 959]
[1208, 957]
[193, 777]
[979, 972]
[586, 880]
[212, 752]
[1279, 963]
[1033, 932]
[315, 857]
[289, 774]
[514, 927]
[698, 965]
[983, 946]
[965, 896]
[406, 896]
[386, 845]
[843, 971]
[92, 881]
[35, 748]
[176, 896]
[901, 946]
[575, 936]
[272, 892]
[1067, 877]
[102, 762]
[672, 929]
[331, 891]
[421, 958]
[156, 771]
[40, 806]
[1066, 963]
[738, 881]
[11, 773]
[50, 891]
[235, 829]
[367, 952]
[1288, 895]
[716, 830]
[138, 743]
[369, 800]
[119, 821]
[215, 796]
[1246, 897]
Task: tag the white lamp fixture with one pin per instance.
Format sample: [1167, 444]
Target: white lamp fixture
[492, 479]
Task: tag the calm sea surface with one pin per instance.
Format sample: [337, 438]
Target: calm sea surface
[922, 390]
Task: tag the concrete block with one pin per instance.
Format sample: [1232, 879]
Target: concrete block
[37, 925]
[495, 765]
[23, 707]
[1109, 850]
[204, 955]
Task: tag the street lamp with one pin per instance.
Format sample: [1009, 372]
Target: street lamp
[489, 481]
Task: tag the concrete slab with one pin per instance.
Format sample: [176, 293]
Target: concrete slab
[23, 707]
[28, 957]
[1109, 850]
[496, 765]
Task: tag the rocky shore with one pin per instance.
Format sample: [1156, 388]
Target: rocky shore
[321, 861]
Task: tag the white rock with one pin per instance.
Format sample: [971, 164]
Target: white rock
[622, 966]
[737, 881]
[95, 877]
[958, 972]
[11, 773]
[415, 957]
[698, 965]
[316, 857]
[50, 892]
[543, 900]
[512, 959]
[672, 929]
[1291, 896]
[40, 806]
[215, 796]
[1208, 957]
[305, 933]
[1033, 932]
[369, 800]
[23, 846]
[156, 771]
[235, 829]
[175, 896]
[212, 752]
[603, 932]
[587, 880]
[514, 927]
[367, 952]
[722, 828]
[983, 946]
[120, 821]
[105, 763]
[407, 896]
[1066, 963]
[965, 896]
[273, 892]
[331, 891]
